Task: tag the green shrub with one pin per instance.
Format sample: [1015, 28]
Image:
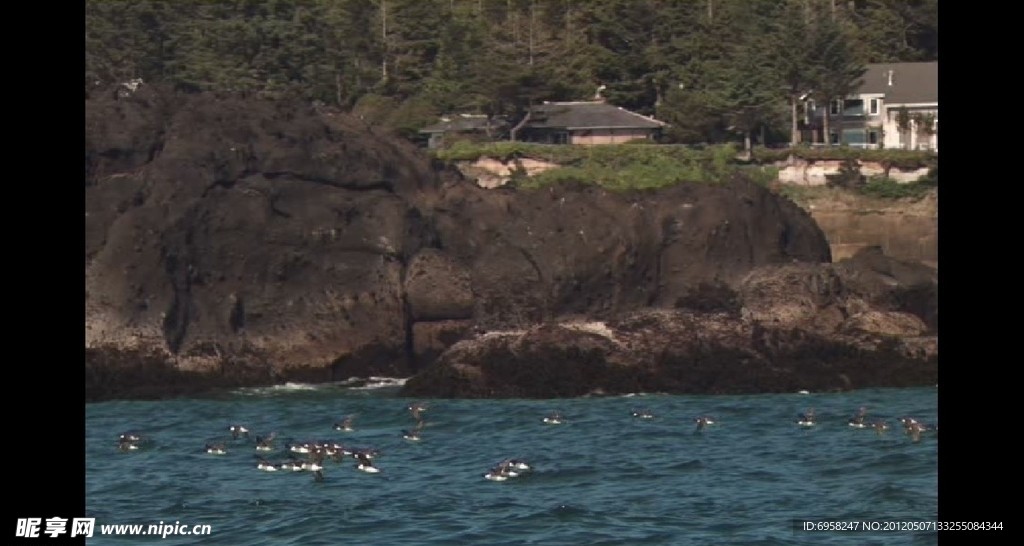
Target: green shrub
[887, 188]
[931, 179]
[763, 155]
[763, 175]
[848, 177]
[901, 159]
[615, 166]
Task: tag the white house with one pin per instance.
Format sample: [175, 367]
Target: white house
[868, 117]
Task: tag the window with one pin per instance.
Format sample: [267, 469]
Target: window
[836, 107]
[873, 107]
[834, 137]
[873, 137]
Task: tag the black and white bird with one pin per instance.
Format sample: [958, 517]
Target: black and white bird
[555, 418]
[807, 419]
[857, 421]
[345, 425]
[238, 430]
[702, 422]
[643, 414]
[266, 444]
[416, 410]
[365, 462]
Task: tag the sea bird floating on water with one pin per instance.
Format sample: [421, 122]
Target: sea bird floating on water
[216, 449]
[416, 409]
[508, 468]
[643, 414]
[414, 434]
[702, 422]
[266, 465]
[365, 463]
[130, 436]
[857, 421]
[518, 464]
[345, 425]
[266, 444]
[500, 472]
[292, 464]
[914, 428]
[238, 430]
[807, 419]
[554, 419]
[129, 441]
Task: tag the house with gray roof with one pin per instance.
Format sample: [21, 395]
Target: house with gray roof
[465, 125]
[587, 123]
[870, 116]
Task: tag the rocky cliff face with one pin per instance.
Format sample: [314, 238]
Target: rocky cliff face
[803, 326]
[233, 241]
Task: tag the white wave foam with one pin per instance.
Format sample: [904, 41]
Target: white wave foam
[282, 388]
[375, 382]
[296, 387]
[353, 383]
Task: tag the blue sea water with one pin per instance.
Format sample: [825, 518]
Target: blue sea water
[601, 478]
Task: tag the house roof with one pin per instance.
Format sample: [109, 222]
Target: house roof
[463, 122]
[588, 115]
[911, 82]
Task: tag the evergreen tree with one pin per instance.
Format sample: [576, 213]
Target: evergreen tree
[837, 72]
[793, 45]
[705, 66]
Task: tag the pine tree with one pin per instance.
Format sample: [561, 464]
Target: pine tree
[837, 72]
[792, 46]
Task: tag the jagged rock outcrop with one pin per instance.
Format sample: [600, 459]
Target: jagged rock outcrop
[786, 328]
[670, 351]
[233, 241]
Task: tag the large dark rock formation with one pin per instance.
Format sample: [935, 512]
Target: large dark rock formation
[234, 241]
[785, 328]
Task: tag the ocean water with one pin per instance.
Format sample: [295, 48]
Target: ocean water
[602, 477]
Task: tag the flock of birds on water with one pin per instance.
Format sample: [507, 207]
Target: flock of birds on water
[318, 452]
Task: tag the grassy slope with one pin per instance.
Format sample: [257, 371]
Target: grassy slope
[647, 166]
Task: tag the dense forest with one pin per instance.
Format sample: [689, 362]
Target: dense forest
[715, 69]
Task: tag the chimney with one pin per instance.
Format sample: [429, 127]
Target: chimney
[890, 78]
[597, 94]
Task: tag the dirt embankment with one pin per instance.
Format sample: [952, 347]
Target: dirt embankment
[906, 229]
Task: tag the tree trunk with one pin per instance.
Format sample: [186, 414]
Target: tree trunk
[384, 39]
[825, 127]
[794, 131]
[512, 132]
[513, 17]
[532, 23]
[337, 89]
